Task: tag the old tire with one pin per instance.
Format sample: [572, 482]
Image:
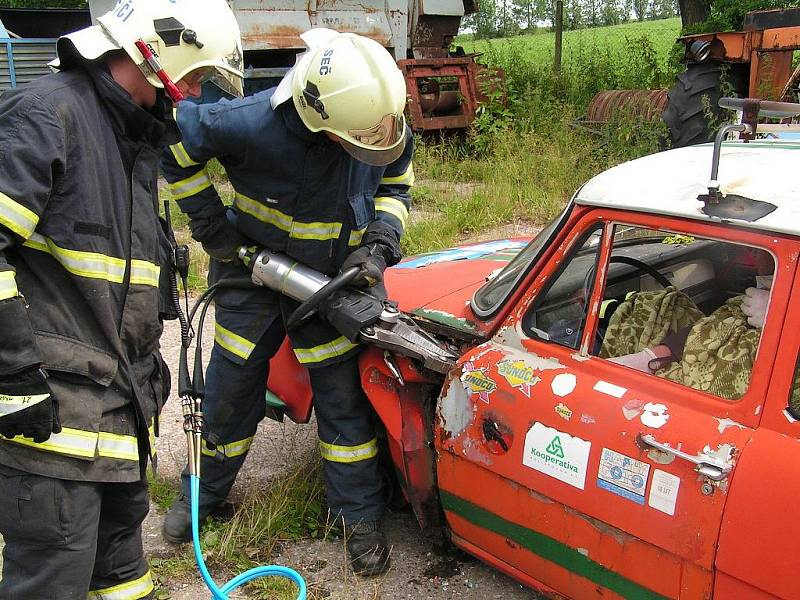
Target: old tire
[687, 114]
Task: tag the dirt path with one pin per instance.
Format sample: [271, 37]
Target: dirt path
[419, 568]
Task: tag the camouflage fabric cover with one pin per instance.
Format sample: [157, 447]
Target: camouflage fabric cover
[794, 399]
[643, 320]
[719, 353]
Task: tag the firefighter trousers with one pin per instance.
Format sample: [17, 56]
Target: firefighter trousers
[235, 403]
[68, 540]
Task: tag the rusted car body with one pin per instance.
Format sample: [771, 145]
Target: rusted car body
[578, 476]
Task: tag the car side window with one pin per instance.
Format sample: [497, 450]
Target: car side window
[683, 308]
[559, 312]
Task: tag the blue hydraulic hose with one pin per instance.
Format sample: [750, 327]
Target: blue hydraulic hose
[254, 573]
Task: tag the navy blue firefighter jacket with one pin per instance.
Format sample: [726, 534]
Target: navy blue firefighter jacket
[295, 192]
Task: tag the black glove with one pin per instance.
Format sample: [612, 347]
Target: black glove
[371, 261]
[224, 242]
[27, 406]
[348, 311]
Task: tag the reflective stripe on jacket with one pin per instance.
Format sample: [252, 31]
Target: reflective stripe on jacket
[81, 242]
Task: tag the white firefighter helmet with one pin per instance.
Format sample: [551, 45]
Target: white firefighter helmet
[350, 86]
[183, 34]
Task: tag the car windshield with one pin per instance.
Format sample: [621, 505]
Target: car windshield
[491, 295]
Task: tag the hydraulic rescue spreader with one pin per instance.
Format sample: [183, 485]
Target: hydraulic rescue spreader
[358, 315]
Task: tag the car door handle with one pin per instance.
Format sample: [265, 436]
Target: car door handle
[708, 466]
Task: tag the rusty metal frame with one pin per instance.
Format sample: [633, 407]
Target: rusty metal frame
[767, 51]
[464, 69]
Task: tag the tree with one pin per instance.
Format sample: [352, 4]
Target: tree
[694, 11]
[640, 8]
[573, 14]
[627, 10]
[483, 22]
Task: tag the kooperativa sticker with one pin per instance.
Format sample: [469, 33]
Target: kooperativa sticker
[557, 454]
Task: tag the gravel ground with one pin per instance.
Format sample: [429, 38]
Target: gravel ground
[419, 567]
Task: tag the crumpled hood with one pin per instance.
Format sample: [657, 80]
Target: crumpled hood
[439, 285]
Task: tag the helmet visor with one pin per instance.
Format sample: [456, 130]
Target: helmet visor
[230, 83]
[378, 145]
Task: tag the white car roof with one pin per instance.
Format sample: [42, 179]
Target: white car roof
[669, 182]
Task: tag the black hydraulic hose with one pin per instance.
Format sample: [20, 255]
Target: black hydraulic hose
[323, 293]
[188, 386]
[186, 327]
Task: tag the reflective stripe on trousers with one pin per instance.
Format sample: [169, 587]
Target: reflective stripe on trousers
[229, 450]
[349, 454]
[326, 351]
[233, 343]
[131, 590]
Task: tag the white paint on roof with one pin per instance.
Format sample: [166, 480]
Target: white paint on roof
[670, 182]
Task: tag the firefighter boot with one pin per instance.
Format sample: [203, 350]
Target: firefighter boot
[367, 548]
[178, 521]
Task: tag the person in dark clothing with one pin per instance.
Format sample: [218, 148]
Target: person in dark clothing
[82, 256]
[321, 168]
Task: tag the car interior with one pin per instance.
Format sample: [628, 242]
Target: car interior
[708, 272]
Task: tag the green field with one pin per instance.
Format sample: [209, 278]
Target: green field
[662, 33]
[629, 56]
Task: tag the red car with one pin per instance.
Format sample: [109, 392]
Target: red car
[546, 451]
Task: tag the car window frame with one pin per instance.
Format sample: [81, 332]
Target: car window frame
[569, 255]
[758, 365]
[488, 313]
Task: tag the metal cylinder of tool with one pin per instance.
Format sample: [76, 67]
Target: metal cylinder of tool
[282, 274]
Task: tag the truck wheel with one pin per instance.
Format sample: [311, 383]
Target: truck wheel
[687, 113]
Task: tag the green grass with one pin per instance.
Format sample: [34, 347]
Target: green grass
[290, 508]
[630, 56]
[522, 157]
[663, 32]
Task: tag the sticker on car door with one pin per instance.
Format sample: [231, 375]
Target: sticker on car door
[557, 454]
[623, 475]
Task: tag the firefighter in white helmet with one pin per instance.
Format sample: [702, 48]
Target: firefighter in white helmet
[321, 168]
[83, 261]
[360, 101]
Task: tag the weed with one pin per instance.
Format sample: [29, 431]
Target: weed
[290, 508]
[162, 491]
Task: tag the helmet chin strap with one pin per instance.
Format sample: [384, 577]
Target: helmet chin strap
[150, 58]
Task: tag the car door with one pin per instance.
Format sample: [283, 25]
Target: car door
[580, 475]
